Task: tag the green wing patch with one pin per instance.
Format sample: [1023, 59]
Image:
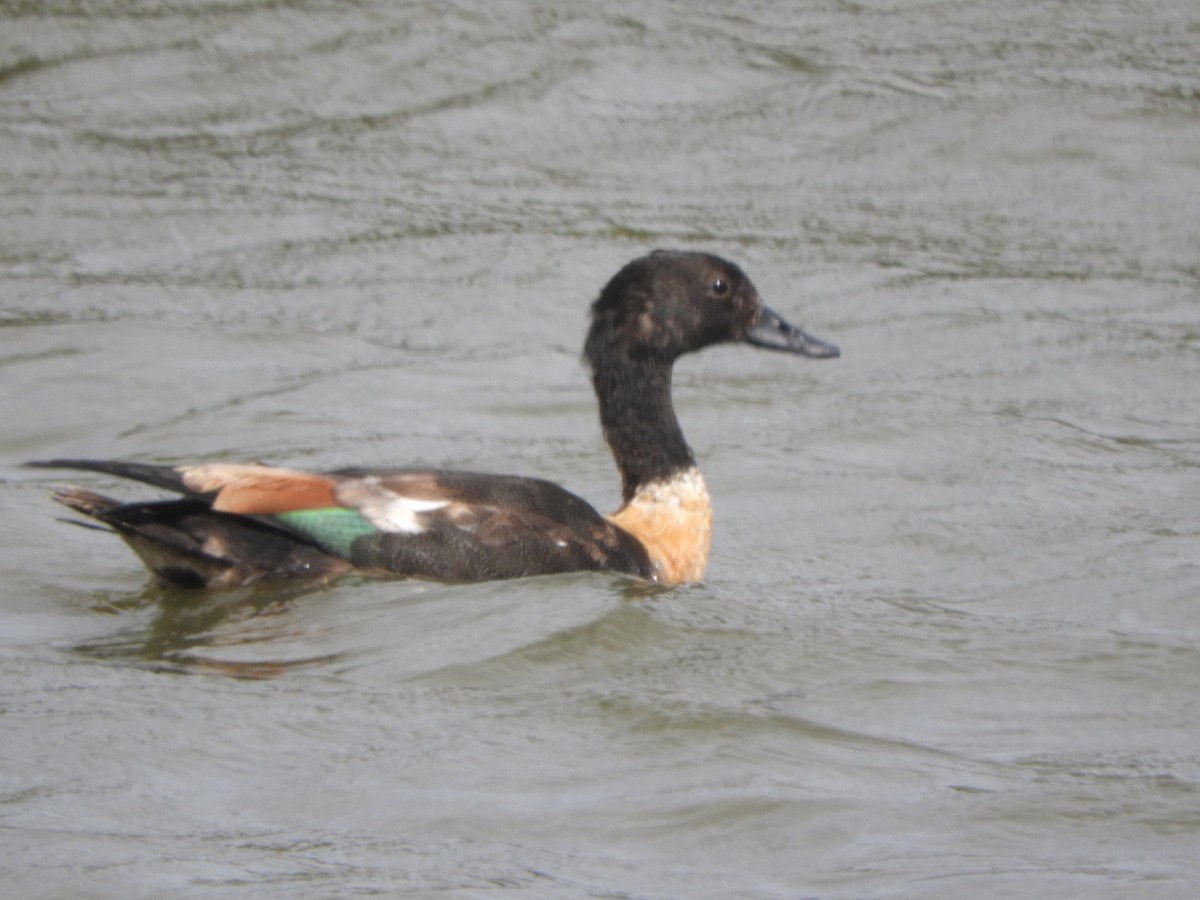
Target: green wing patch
[333, 528]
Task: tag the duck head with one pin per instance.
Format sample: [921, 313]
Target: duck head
[673, 302]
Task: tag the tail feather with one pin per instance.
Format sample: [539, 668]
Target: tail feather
[90, 504]
[186, 543]
[166, 477]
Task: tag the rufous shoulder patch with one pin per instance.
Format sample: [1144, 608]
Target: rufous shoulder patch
[253, 490]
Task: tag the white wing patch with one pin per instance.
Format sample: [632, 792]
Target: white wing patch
[385, 509]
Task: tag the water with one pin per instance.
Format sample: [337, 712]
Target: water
[948, 645]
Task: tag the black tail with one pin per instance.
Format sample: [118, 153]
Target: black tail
[160, 476]
[186, 543]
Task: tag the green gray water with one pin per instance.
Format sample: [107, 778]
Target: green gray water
[948, 645]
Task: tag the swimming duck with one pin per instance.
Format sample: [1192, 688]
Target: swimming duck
[240, 523]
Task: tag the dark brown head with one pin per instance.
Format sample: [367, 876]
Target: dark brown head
[673, 302]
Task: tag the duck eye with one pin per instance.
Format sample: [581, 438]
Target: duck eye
[720, 286]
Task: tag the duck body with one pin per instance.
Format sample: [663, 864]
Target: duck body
[237, 524]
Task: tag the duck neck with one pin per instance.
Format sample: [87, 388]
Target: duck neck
[639, 421]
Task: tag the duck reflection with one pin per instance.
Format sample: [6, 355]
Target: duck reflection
[250, 632]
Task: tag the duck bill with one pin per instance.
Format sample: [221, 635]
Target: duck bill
[773, 333]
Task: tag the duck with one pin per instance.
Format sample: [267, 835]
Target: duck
[236, 524]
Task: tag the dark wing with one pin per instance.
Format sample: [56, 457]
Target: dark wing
[466, 526]
[241, 523]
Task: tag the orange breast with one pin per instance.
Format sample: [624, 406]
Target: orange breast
[673, 520]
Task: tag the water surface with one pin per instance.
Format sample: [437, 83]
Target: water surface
[948, 645]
